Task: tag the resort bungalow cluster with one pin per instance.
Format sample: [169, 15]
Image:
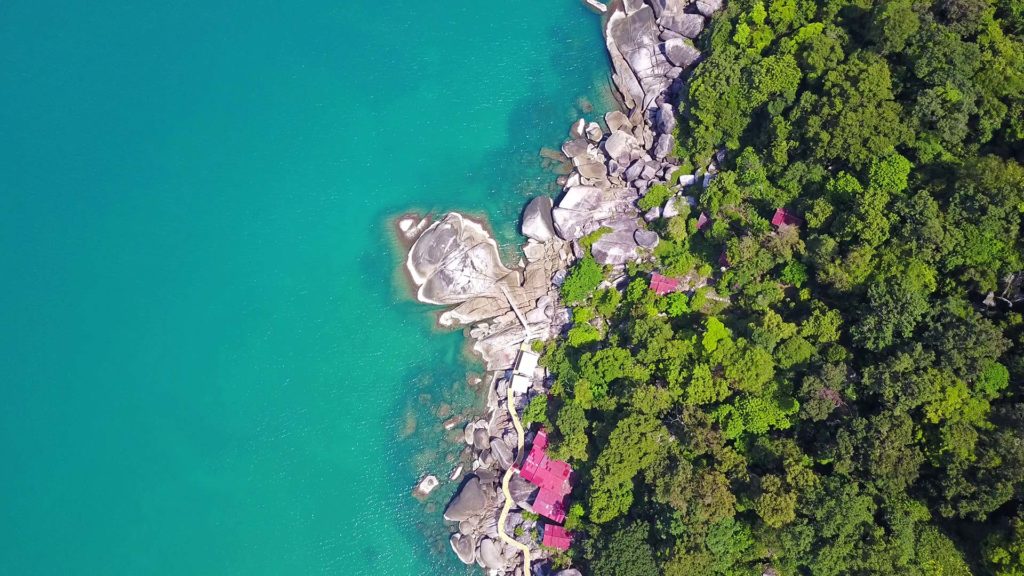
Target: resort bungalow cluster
[554, 478]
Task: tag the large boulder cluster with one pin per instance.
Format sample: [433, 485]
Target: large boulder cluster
[455, 262]
[475, 509]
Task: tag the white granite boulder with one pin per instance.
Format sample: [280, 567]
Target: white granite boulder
[537, 223]
[688, 25]
[680, 52]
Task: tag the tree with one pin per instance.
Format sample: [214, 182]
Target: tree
[704, 388]
[582, 280]
[1004, 553]
[536, 411]
[775, 505]
[572, 425]
[633, 445]
[627, 553]
[895, 306]
[857, 117]
[894, 23]
[714, 332]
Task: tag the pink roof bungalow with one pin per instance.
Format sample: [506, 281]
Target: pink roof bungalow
[553, 477]
[556, 537]
[703, 221]
[551, 505]
[783, 217]
[662, 285]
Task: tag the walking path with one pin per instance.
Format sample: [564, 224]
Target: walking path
[504, 487]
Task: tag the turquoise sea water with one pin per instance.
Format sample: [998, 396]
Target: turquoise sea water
[208, 364]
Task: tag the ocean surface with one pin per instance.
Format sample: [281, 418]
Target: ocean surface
[209, 363]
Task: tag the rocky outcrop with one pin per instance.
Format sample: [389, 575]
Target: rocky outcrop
[709, 7]
[686, 25]
[455, 260]
[639, 66]
[618, 246]
[680, 52]
[464, 548]
[469, 502]
[537, 224]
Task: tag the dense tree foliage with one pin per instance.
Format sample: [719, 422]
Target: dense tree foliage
[834, 398]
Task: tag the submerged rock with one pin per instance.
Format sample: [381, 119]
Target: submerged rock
[426, 486]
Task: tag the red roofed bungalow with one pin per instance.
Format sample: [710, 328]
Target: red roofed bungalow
[556, 537]
[551, 505]
[784, 218]
[662, 285]
[551, 476]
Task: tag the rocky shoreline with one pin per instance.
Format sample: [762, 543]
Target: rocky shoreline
[454, 262]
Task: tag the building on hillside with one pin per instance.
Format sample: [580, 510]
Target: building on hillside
[783, 217]
[520, 384]
[556, 537]
[553, 477]
[523, 370]
[662, 285]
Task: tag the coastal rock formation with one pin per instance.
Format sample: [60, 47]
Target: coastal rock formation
[464, 548]
[686, 25]
[454, 260]
[618, 246]
[426, 486]
[469, 502]
[603, 172]
[680, 52]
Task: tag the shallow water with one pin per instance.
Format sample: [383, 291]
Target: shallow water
[210, 364]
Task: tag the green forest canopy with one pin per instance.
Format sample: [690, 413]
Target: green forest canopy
[836, 402]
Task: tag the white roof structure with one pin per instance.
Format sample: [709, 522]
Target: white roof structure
[526, 363]
[520, 384]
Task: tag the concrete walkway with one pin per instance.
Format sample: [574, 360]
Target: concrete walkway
[504, 486]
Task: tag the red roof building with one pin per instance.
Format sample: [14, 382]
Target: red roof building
[662, 285]
[551, 505]
[556, 537]
[553, 477]
[784, 218]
